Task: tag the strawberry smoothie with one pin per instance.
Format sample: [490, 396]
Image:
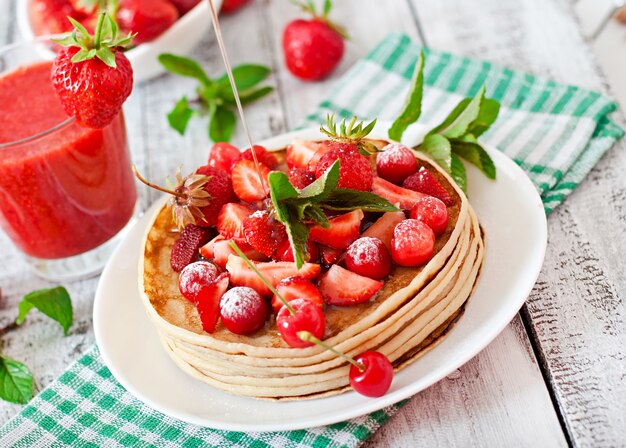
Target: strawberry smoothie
[64, 189]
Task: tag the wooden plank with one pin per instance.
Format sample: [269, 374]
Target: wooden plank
[576, 311]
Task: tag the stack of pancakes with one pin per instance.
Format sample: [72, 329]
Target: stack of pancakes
[411, 313]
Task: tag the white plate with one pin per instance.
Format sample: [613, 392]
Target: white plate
[512, 215]
[180, 38]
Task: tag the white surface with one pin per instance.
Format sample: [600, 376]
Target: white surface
[512, 216]
[180, 38]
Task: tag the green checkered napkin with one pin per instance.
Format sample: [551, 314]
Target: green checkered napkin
[555, 132]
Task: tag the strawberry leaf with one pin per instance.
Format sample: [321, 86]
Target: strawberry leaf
[16, 381]
[54, 303]
[183, 66]
[476, 155]
[439, 148]
[412, 108]
[179, 116]
[222, 124]
[106, 56]
[458, 173]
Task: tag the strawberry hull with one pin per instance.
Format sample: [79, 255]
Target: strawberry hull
[66, 191]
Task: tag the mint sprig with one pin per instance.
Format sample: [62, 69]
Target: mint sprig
[457, 135]
[297, 208]
[215, 97]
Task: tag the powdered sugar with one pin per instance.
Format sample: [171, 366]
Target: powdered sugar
[365, 250]
[395, 153]
[239, 302]
[195, 276]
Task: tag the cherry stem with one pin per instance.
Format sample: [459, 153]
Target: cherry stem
[156, 187]
[307, 336]
[98, 33]
[292, 311]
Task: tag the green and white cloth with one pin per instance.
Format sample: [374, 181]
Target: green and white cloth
[555, 132]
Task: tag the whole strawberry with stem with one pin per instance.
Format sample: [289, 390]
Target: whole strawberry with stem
[313, 48]
[91, 75]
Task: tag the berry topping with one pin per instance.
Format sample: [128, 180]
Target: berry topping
[383, 227]
[230, 220]
[222, 249]
[242, 275]
[262, 155]
[185, 249]
[424, 182]
[263, 232]
[432, 212]
[208, 302]
[342, 287]
[91, 75]
[300, 178]
[329, 256]
[243, 310]
[402, 197]
[355, 170]
[375, 378]
[224, 155]
[246, 182]
[395, 163]
[307, 316]
[343, 230]
[285, 252]
[369, 257]
[296, 288]
[148, 18]
[300, 152]
[194, 277]
[413, 243]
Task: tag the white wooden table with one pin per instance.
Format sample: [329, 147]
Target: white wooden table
[557, 374]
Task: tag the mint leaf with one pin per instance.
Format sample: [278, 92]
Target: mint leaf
[316, 214]
[475, 154]
[458, 172]
[54, 303]
[487, 115]
[16, 381]
[412, 108]
[222, 124]
[298, 234]
[280, 187]
[323, 186]
[246, 76]
[346, 199]
[179, 116]
[183, 66]
[250, 96]
[465, 116]
[439, 148]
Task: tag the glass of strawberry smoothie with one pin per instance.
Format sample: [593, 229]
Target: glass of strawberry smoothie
[65, 191]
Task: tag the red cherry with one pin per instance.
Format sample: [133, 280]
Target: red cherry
[369, 257]
[243, 310]
[194, 277]
[308, 317]
[224, 155]
[395, 162]
[432, 212]
[413, 243]
[375, 379]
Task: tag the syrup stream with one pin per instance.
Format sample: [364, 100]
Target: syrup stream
[229, 71]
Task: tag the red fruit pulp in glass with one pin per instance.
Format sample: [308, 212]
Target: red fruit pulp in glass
[65, 192]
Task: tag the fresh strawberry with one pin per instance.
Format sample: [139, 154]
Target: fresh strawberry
[230, 220]
[208, 250]
[185, 249]
[50, 16]
[343, 230]
[402, 197]
[230, 6]
[224, 155]
[424, 182]
[94, 88]
[194, 277]
[220, 191]
[263, 232]
[222, 249]
[262, 155]
[313, 161]
[148, 18]
[355, 170]
[242, 275]
[300, 152]
[208, 302]
[300, 178]
[246, 182]
[296, 287]
[395, 162]
[184, 6]
[383, 227]
[330, 256]
[285, 253]
[313, 48]
[342, 287]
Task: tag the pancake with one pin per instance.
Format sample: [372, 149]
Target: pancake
[413, 311]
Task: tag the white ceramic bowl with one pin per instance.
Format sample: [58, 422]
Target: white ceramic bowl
[180, 38]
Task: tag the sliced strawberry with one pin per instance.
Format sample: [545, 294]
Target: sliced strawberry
[329, 256]
[262, 155]
[343, 230]
[424, 182]
[222, 250]
[296, 287]
[231, 218]
[342, 287]
[263, 232]
[285, 253]
[383, 227]
[207, 251]
[185, 249]
[208, 302]
[300, 178]
[399, 196]
[300, 152]
[246, 183]
[274, 272]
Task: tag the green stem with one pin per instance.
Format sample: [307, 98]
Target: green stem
[98, 33]
[307, 336]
